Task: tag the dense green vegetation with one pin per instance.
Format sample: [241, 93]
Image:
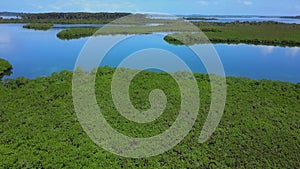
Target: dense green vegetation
[81, 18]
[76, 33]
[38, 26]
[5, 68]
[66, 18]
[39, 129]
[74, 15]
[263, 33]
[56, 21]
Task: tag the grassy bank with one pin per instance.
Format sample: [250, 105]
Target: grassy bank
[5, 68]
[38, 26]
[39, 128]
[265, 33]
[76, 33]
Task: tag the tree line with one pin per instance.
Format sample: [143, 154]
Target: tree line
[80, 15]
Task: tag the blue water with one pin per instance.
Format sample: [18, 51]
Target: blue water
[40, 53]
[36, 53]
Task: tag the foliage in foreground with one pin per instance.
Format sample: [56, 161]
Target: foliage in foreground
[38, 26]
[260, 127]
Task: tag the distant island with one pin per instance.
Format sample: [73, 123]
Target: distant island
[62, 18]
[291, 17]
[199, 18]
[235, 16]
[10, 14]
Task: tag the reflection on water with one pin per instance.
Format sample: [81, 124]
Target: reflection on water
[40, 53]
[266, 50]
[261, 62]
[269, 50]
[6, 73]
[293, 51]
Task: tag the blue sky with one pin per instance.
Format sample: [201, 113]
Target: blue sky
[220, 7]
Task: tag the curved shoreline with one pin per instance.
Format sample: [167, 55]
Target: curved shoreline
[260, 33]
[5, 68]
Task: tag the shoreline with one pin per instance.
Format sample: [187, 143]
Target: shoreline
[260, 33]
[5, 68]
[9, 72]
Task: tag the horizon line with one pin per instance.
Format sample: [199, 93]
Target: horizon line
[147, 13]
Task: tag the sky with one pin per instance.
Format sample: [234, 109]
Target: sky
[204, 7]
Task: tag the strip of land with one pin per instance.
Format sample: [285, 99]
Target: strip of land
[38, 26]
[81, 18]
[259, 33]
[291, 17]
[65, 18]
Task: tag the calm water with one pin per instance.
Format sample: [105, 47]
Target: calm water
[40, 53]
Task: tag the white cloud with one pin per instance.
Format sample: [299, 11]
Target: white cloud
[266, 50]
[293, 51]
[202, 3]
[87, 6]
[207, 3]
[246, 3]
[95, 6]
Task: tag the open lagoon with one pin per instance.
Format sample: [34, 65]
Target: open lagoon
[40, 53]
